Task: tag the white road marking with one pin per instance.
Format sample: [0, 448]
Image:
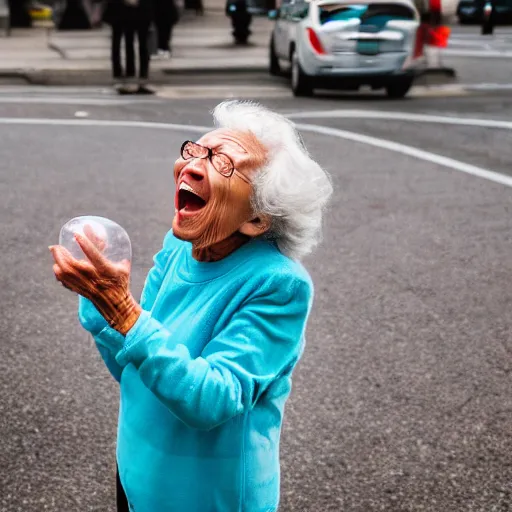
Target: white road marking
[426, 91]
[411, 151]
[105, 97]
[72, 101]
[176, 92]
[400, 116]
[489, 87]
[466, 42]
[224, 91]
[342, 134]
[106, 123]
[56, 89]
[493, 54]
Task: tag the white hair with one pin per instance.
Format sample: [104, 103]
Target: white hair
[291, 188]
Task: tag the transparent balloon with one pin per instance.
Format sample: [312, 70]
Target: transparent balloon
[109, 237]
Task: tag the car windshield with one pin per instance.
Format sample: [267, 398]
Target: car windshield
[369, 14]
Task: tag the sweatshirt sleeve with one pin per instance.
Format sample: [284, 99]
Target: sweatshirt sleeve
[262, 341]
[108, 340]
[156, 274]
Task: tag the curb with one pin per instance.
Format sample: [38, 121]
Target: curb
[235, 70]
[101, 77]
[64, 77]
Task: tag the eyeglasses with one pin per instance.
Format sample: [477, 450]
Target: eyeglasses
[221, 162]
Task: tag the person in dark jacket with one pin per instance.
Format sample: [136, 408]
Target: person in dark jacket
[166, 16]
[127, 19]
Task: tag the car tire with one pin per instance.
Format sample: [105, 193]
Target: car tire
[302, 84]
[399, 89]
[274, 67]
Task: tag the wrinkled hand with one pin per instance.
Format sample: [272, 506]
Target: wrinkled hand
[104, 283]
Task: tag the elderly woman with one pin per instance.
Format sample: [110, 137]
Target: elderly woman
[205, 360]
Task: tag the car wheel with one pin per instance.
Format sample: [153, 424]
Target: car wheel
[301, 83]
[274, 67]
[399, 89]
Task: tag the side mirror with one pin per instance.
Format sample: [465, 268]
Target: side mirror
[272, 15]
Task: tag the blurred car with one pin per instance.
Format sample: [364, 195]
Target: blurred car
[472, 11]
[468, 12]
[337, 44]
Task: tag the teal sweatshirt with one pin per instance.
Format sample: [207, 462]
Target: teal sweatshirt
[204, 376]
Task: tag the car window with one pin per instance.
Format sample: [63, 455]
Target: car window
[284, 11]
[283, 8]
[299, 10]
[370, 14]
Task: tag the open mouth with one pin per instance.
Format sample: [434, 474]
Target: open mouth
[188, 200]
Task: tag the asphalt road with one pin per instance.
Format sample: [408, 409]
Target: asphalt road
[402, 400]
[478, 58]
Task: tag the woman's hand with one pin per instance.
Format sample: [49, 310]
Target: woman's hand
[104, 283]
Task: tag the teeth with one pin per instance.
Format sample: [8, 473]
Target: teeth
[184, 186]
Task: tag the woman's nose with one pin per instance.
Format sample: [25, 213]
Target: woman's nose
[195, 170]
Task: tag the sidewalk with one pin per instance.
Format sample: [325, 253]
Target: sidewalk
[201, 44]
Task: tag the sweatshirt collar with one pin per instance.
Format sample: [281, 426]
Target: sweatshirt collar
[200, 271]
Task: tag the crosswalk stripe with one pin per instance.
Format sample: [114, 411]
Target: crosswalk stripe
[223, 91]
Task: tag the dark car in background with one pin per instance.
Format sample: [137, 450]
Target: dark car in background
[468, 12]
[472, 11]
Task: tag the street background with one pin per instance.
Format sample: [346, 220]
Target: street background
[402, 400]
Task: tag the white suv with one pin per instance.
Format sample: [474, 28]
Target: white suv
[337, 44]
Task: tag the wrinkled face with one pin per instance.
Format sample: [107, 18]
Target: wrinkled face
[211, 207]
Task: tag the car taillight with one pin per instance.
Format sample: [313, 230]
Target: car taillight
[315, 42]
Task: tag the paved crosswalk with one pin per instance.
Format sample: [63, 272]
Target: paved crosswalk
[473, 44]
[89, 96]
[82, 98]
[258, 87]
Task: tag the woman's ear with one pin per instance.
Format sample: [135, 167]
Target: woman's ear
[256, 226]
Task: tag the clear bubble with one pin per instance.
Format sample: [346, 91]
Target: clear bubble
[109, 237]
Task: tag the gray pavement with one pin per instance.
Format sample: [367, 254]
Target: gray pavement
[480, 59]
[402, 400]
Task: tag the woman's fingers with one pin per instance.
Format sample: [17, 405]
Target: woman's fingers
[57, 271]
[62, 258]
[66, 266]
[125, 265]
[94, 255]
[97, 240]
[65, 278]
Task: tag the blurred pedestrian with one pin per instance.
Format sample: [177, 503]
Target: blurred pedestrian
[127, 19]
[194, 5]
[19, 15]
[166, 16]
